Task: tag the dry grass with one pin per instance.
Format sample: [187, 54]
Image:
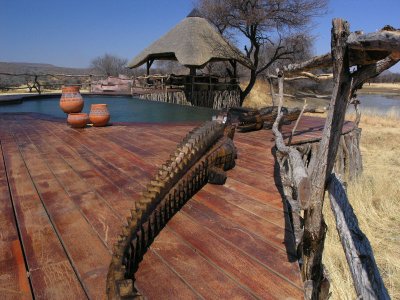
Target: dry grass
[259, 96]
[380, 88]
[375, 197]
[383, 85]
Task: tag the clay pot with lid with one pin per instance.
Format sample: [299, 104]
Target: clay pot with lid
[78, 120]
[71, 100]
[99, 115]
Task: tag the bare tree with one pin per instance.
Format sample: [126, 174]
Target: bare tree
[109, 65]
[273, 27]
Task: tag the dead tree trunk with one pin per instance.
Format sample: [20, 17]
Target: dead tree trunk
[271, 89]
[37, 85]
[315, 227]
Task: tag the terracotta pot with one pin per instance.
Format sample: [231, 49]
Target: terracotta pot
[99, 115]
[71, 100]
[78, 120]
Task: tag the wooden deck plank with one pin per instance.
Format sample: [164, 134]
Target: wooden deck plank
[155, 149]
[108, 151]
[264, 167]
[44, 252]
[14, 283]
[168, 284]
[106, 167]
[172, 279]
[228, 241]
[115, 198]
[78, 238]
[261, 182]
[205, 278]
[261, 195]
[96, 210]
[273, 257]
[246, 202]
[256, 224]
[249, 272]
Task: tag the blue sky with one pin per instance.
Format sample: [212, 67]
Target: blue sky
[71, 33]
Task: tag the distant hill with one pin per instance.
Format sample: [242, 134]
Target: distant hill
[7, 81]
[386, 77]
[37, 68]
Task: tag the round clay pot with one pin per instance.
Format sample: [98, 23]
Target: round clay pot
[99, 115]
[78, 120]
[71, 100]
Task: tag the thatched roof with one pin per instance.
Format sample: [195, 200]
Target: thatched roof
[193, 42]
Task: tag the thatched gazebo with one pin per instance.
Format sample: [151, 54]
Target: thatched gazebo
[194, 43]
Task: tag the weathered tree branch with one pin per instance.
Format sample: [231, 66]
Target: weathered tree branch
[381, 41]
[299, 172]
[305, 75]
[366, 72]
[321, 61]
[364, 49]
[297, 123]
[315, 227]
[360, 258]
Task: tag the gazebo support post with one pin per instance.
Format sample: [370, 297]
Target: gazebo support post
[192, 75]
[148, 65]
[234, 66]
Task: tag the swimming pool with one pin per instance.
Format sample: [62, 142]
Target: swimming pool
[122, 109]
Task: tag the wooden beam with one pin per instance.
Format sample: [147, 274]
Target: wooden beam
[234, 66]
[383, 40]
[364, 49]
[192, 71]
[359, 255]
[316, 62]
[149, 62]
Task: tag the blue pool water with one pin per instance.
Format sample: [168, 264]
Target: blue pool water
[122, 109]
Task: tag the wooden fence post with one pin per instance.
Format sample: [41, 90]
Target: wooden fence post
[314, 226]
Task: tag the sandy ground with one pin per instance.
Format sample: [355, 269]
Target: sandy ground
[381, 88]
[260, 96]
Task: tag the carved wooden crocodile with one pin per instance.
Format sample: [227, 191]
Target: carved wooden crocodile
[201, 157]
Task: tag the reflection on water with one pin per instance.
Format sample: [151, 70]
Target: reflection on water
[127, 109]
[122, 109]
[380, 103]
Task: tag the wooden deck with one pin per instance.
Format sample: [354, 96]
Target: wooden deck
[65, 193]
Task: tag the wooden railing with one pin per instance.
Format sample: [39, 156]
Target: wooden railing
[359, 255]
[172, 81]
[206, 91]
[295, 164]
[306, 176]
